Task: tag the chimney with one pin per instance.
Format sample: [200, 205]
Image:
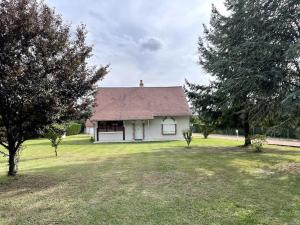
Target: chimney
[141, 83]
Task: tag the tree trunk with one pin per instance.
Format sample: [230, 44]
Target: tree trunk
[247, 131]
[12, 166]
[55, 149]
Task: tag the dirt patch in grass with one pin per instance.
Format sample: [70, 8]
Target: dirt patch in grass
[289, 167]
[163, 179]
[263, 171]
[22, 184]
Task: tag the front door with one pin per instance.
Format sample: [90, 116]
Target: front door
[139, 131]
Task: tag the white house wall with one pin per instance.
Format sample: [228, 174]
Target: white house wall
[152, 130]
[89, 130]
[111, 136]
[128, 130]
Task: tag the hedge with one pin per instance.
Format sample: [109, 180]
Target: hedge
[73, 129]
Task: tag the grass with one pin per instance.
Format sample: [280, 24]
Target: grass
[214, 182]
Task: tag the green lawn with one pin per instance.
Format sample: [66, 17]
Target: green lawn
[214, 182]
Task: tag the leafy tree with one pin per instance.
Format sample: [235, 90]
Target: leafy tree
[2, 137]
[206, 111]
[54, 133]
[289, 116]
[253, 55]
[207, 129]
[206, 106]
[44, 75]
[203, 126]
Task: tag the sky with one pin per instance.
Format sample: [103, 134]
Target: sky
[150, 40]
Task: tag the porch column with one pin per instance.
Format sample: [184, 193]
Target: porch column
[95, 131]
[133, 130]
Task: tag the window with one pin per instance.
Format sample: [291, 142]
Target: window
[110, 126]
[169, 126]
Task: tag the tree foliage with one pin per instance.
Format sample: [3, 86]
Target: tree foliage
[44, 75]
[253, 55]
[208, 110]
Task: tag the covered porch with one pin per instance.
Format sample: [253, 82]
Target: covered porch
[119, 130]
[158, 128]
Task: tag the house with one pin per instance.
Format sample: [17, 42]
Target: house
[89, 127]
[140, 113]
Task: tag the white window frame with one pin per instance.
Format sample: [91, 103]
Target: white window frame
[169, 126]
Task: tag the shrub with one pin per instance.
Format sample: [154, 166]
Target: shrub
[187, 134]
[73, 129]
[92, 140]
[54, 133]
[206, 127]
[257, 142]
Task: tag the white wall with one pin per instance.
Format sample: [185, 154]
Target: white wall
[153, 130]
[89, 130]
[128, 130]
[111, 136]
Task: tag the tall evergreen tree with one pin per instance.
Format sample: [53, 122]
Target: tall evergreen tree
[253, 55]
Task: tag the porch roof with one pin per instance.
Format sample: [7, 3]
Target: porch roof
[125, 115]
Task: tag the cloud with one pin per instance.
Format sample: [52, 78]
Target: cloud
[155, 41]
[96, 15]
[151, 44]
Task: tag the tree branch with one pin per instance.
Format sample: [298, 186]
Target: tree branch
[4, 145]
[3, 153]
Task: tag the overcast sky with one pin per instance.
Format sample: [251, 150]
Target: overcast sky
[150, 40]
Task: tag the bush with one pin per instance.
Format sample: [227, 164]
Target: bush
[54, 133]
[203, 126]
[73, 129]
[257, 142]
[92, 140]
[207, 129]
[187, 134]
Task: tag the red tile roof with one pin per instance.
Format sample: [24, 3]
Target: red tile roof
[139, 103]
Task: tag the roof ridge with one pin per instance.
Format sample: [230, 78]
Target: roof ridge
[143, 87]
